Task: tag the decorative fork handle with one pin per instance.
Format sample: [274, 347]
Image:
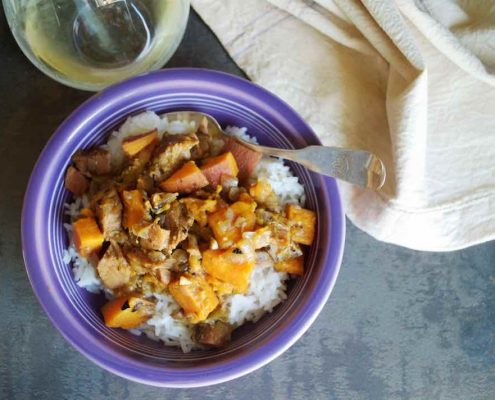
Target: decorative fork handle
[355, 166]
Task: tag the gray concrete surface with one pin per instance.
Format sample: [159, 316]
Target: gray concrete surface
[400, 324]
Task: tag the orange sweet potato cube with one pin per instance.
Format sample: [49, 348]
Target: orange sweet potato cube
[186, 179]
[302, 223]
[127, 312]
[214, 167]
[245, 158]
[194, 295]
[87, 236]
[232, 266]
[135, 144]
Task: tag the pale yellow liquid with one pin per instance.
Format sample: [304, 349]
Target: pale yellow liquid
[107, 52]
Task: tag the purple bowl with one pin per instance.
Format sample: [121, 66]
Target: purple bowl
[75, 312]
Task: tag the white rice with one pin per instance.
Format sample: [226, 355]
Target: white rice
[267, 287]
[162, 326]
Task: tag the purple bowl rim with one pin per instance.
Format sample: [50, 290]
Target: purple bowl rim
[285, 338]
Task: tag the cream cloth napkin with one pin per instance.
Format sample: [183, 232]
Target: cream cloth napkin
[409, 80]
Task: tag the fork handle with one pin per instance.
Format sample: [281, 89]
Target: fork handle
[359, 167]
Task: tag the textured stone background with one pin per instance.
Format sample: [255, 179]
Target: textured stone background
[399, 325]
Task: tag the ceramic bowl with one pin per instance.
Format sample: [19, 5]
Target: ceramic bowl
[75, 312]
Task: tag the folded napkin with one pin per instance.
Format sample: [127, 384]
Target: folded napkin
[411, 81]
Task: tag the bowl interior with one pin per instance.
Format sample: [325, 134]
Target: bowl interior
[75, 311]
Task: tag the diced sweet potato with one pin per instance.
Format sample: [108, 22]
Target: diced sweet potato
[87, 236]
[228, 224]
[215, 167]
[194, 295]
[302, 223]
[200, 208]
[134, 210]
[233, 266]
[127, 312]
[135, 144]
[186, 179]
[245, 158]
[75, 181]
[292, 266]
